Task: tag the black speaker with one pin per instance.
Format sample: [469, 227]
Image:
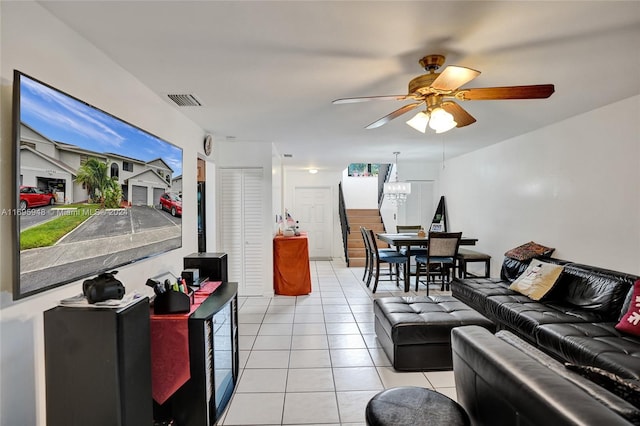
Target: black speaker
[211, 265]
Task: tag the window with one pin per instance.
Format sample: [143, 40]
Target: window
[115, 172]
[363, 169]
[127, 166]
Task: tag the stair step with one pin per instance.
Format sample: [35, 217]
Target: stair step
[364, 221]
[370, 219]
[356, 262]
[355, 228]
[354, 252]
[363, 212]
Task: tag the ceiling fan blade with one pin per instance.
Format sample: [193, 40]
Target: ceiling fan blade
[394, 114]
[453, 77]
[538, 91]
[460, 115]
[371, 98]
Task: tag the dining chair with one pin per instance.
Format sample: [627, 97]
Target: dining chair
[367, 255]
[440, 258]
[407, 228]
[415, 251]
[368, 261]
[380, 256]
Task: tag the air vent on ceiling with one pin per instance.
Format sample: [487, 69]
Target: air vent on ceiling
[185, 99]
[287, 155]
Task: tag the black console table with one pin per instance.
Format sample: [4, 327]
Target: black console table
[213, 357]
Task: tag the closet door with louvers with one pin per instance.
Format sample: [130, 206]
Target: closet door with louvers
[241, 228]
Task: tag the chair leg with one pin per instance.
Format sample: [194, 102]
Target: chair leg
[417, 275]
[370, 271]
[397, 273]
[428, 275]
[366, 266]
[375, 283]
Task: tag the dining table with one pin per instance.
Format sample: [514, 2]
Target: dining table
[411, 239]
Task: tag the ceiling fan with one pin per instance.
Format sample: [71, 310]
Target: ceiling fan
[437, 91]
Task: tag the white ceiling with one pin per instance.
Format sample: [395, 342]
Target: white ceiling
[268, 71]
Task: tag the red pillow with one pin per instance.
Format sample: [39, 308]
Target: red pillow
[630, 322]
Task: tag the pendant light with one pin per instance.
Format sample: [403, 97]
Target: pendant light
[397, 191]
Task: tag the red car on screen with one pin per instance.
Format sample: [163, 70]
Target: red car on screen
[171, 203]
[30, 196]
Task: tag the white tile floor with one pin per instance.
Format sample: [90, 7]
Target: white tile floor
[315, 359]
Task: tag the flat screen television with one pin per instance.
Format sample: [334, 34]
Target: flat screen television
[92, 192]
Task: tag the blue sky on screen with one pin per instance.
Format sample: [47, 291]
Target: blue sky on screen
[64, 119]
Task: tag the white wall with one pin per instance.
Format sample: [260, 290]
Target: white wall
[574, 186]
[360, 192]
[39, 45]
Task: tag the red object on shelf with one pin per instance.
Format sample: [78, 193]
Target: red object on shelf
[291, 271]
[170, 366]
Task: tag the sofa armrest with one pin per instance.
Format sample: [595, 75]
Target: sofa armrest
[499, 384]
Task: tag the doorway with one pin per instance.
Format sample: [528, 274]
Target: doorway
[201, 206]
[313, 210]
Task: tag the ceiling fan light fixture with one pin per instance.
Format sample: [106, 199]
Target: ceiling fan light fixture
[419, 121]
[441, 121]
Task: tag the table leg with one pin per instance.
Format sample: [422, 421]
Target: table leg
[407, 270]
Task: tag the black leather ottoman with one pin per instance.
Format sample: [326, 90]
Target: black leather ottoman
[414, 406]
[415, 332]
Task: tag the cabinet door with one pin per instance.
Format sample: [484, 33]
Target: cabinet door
[241, 227]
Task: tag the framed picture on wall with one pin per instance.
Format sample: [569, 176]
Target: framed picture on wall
[437, 227]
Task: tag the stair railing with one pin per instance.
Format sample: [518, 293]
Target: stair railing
[344, 222]
[384, 174]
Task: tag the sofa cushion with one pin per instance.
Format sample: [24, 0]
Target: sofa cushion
[474, 291]
[525, 316]
[528, 251]
[537, 280]
[596, 344]
[595, 289]
[630, 321]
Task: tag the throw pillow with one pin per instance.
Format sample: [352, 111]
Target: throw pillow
[630, 321]
[537, 280]
[528, 251]
[627, 389]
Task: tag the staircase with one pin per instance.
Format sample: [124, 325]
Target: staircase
[369, 218]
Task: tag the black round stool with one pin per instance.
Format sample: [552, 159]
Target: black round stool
[414, 406]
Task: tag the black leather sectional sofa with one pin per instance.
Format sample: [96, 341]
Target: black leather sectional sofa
[574, 322]
[501, 380]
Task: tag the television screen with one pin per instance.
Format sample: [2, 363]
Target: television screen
[92, 192]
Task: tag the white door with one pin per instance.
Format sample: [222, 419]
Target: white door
[313, 210]
[241, 229]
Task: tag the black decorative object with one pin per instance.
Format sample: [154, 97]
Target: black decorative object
[171, 302]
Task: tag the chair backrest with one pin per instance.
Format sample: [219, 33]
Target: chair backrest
[408, 228]
[365, 238]
[443, 244]
[373, 246]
